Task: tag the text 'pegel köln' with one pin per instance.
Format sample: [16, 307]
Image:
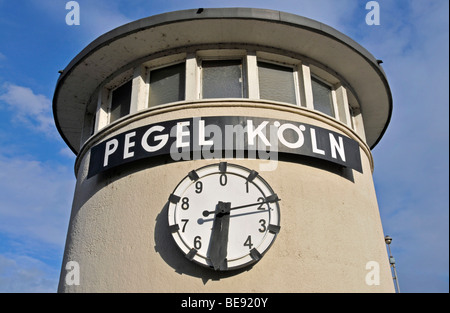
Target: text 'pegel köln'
[224, 137]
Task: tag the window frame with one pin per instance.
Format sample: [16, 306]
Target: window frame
[222, 55]
[296, 80]
[149, 70]
[333, 97]
[110, 100]
[342, 98]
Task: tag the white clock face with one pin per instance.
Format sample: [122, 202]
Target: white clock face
[224, 216]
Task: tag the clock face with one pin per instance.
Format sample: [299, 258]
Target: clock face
[224, 216]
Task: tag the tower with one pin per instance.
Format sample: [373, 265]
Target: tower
[224, 150]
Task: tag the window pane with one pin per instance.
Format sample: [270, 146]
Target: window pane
[120, 103]
[276, 83]
[323, 100]
[167, 84]
[222, 79]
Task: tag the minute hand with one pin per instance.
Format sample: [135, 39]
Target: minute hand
[270, 199]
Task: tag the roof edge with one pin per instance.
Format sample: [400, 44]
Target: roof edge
[218, 13]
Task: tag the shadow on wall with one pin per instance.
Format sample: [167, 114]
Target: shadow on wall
[103, 179]
[172, 255]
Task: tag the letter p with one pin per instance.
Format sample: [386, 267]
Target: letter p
[111, 147]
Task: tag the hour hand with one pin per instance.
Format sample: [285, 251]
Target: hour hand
[270, 199]
[218, 243]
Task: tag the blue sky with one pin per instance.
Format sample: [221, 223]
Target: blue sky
[411, 161]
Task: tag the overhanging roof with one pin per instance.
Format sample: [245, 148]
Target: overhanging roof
[141, 38]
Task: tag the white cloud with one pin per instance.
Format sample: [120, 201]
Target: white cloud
[30, 109]
[35, 200]
[35, 203]
[101, 16]
[22, 274]
[66, 152]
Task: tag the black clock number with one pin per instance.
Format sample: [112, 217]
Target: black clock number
[223, 180]
[263, 226]
[184, 226]
[261, 199]
[198, 187]
[248, 243]
[185, 203]
[197, 242]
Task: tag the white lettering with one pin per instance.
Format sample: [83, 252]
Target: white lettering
[337, 147]
[193, 303]
[128, 144]
[245, 302]
[111, 147]
[211, 141]
[314, 143]
[301, 138]
[201, 135]
[162, 139]
[180, 134]
[214, 151]
[252, 133]
[264, 301]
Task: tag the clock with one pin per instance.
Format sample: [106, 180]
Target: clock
[224, 216]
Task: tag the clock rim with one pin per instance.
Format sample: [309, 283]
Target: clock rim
[189, 251]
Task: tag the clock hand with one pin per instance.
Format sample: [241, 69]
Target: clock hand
[270, 199]
[218, 244]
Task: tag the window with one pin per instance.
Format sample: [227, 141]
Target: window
[120, 102]
[226, 73]
[322, 97]
[222, 79]
[167, 84]
[276, 83]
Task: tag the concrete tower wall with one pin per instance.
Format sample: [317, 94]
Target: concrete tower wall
[331, 227]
